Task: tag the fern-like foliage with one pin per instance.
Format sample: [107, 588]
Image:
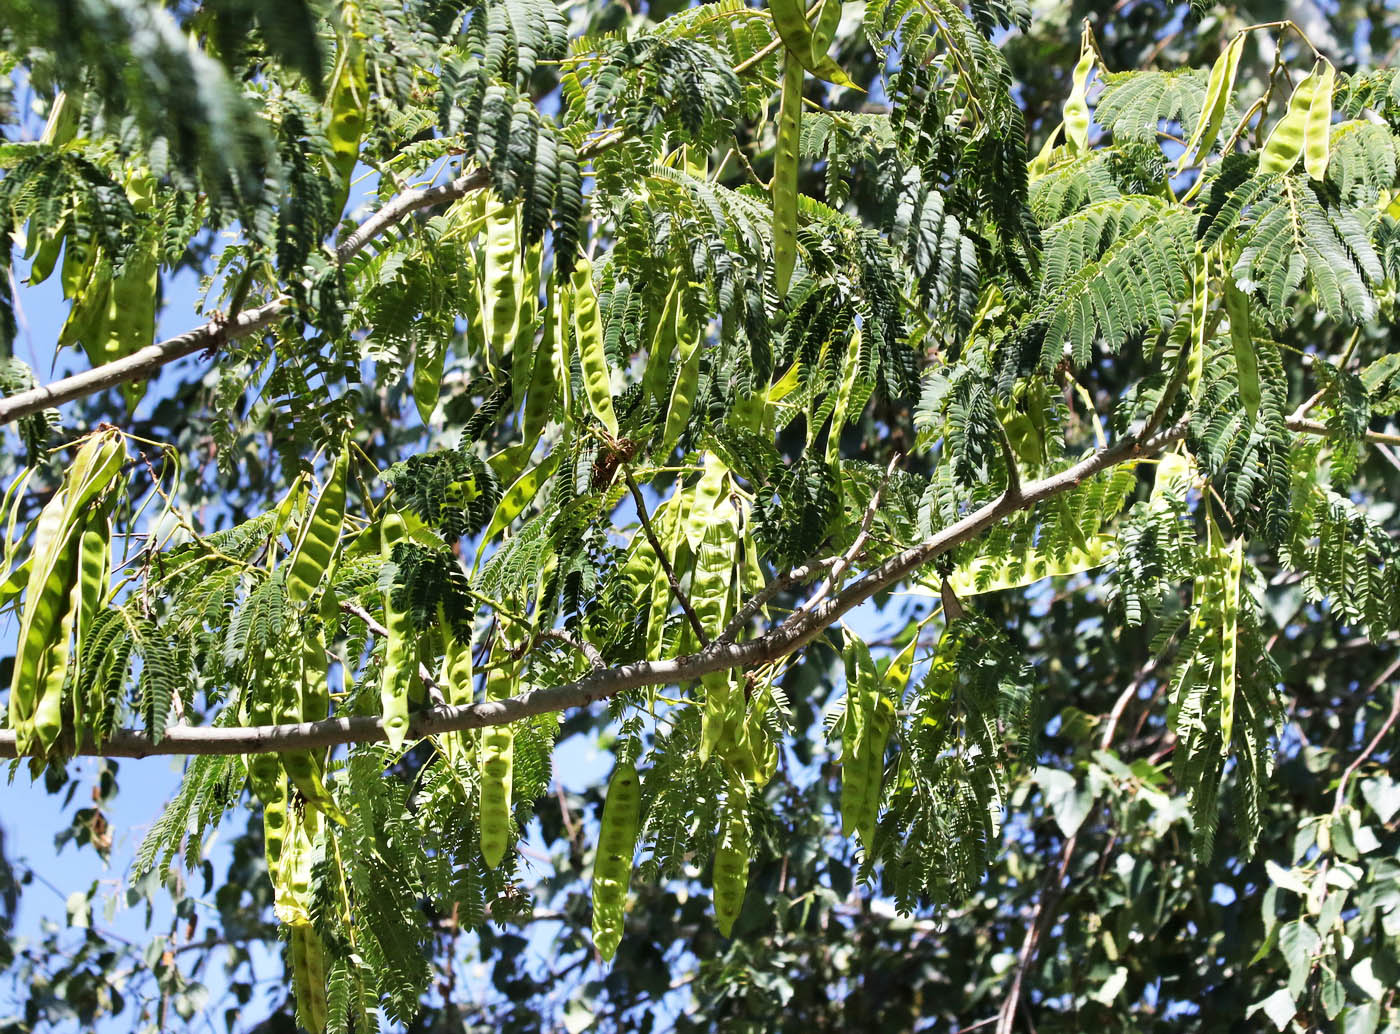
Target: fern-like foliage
[1288, 232]
[1111, 272]
[968, 721]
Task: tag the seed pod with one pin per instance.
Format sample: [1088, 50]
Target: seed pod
[689, 337]
[497, 758]
[1285, 142]
[269, 785]
[319, 537]
[428, 359]
[1317, 128]
[53, 572]
[785, 162]
[400, 651]
[347, 103]
[612, 867]
[790, 19]
[457, 677]
[1076, 110]
[292, 883]
[309, 978]
[1217, 101]
[53, 665]
[593, 360]
[502, 280]
[519, 495]
[731, 870]
[1242, 341]
[663, 344]
[308, 701]
[544, 381]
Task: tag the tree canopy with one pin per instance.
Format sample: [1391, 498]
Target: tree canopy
[946, 459]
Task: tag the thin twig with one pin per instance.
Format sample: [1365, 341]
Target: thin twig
[355, 610]
[1381, 734]
[857, 546]
[583, 646]
[759, 600]
[665, 561]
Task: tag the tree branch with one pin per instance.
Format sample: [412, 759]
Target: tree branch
[216, 333]
[778, 642]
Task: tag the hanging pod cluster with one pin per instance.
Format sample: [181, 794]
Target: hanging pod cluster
[65, 585]
[1305, 126]
[866, 726]
[293, 687]
[708, 546]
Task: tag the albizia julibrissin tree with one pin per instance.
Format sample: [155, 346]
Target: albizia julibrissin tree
[536, 378]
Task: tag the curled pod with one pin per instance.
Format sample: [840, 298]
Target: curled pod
[612, 867]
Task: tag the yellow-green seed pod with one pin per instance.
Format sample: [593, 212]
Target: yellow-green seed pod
[498, 758]
[400, 650]
[612, 866]
[731, 870]
[309, 978]
[785, 162]
[1285, 142]
[501, 270]
[588, 333]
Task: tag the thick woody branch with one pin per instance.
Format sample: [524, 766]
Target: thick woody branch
[780, 641]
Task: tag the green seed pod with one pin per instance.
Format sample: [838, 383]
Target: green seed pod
[308, 701]
[790, 19]
[1317, 127]
[785, 162]
[1217, 101]
[593, 360]
[612, 866]
[519, 495]
[501, 269]
[731, 870]
[1285, 142]
[319, 536]
[309, 978]
[1076, 110]
[400, 651]
[457, 677]
[1242, 341]
[292, 882]
[690, 335]
[663, 344]
[347, 103]
[48, 612]
[497, 758]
